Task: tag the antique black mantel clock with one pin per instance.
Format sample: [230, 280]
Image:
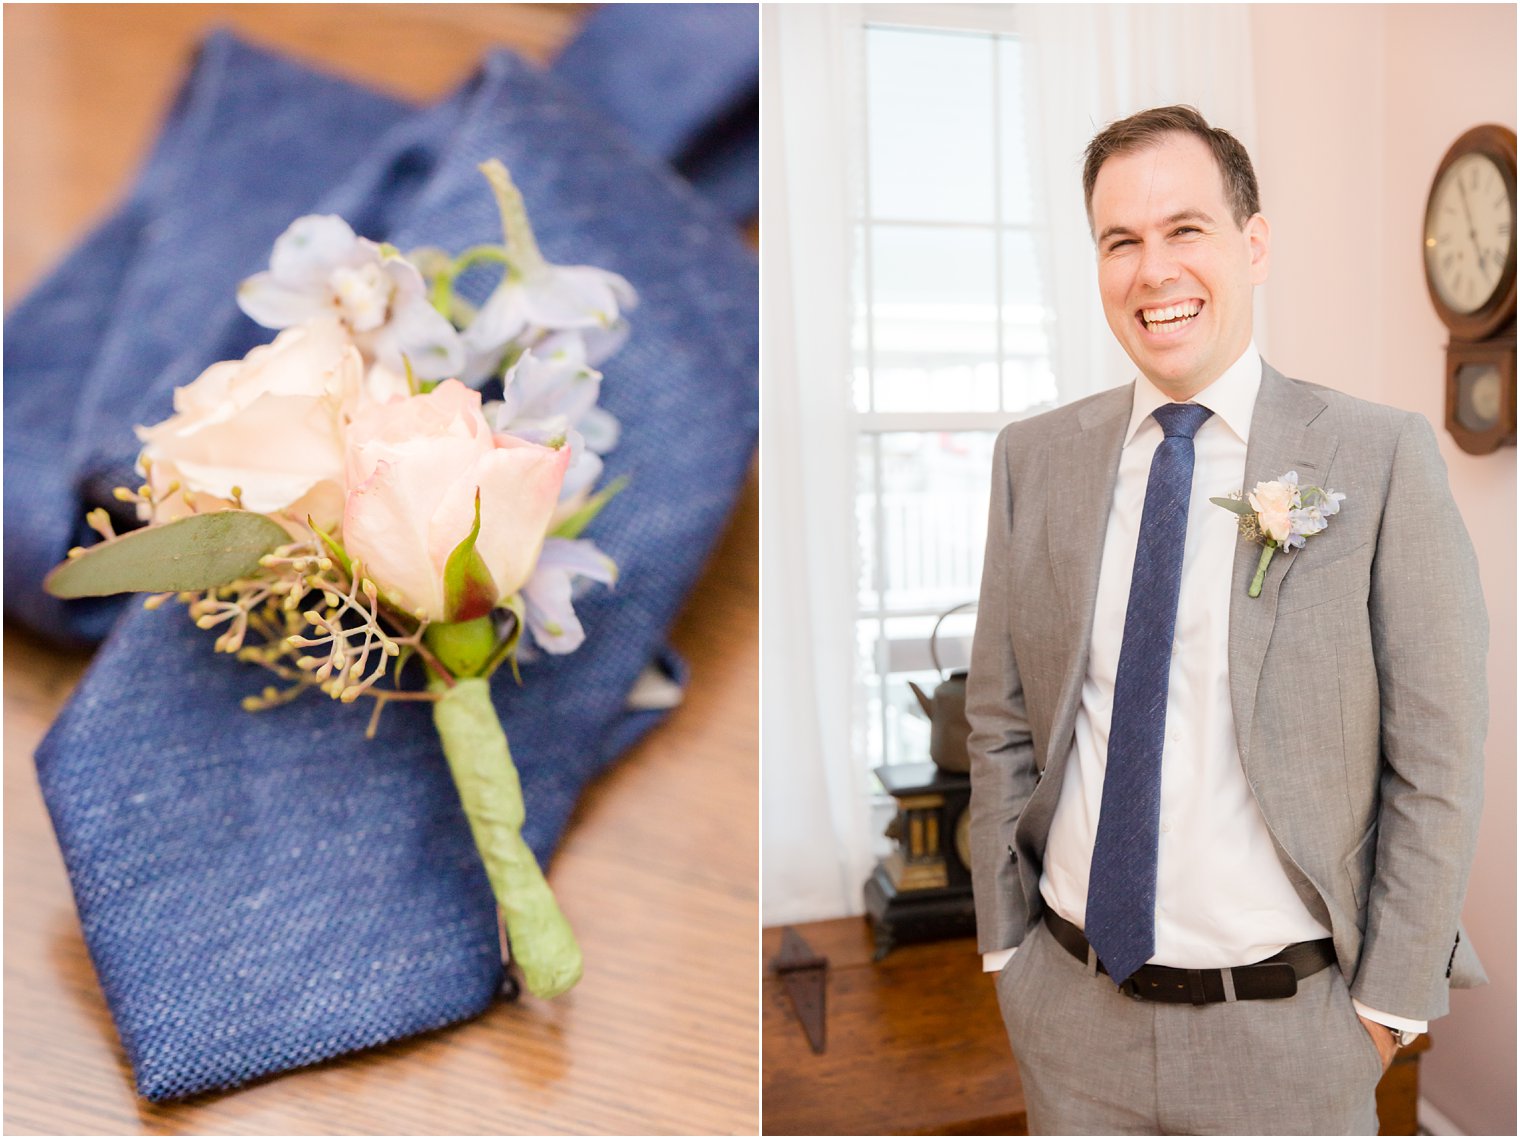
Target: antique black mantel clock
[922, 890]
[1469, 247]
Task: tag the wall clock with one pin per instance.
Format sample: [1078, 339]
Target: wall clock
[1469, 253]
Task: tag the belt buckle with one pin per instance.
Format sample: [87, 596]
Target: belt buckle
[1271, 980]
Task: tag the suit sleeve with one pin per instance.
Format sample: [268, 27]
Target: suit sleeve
[1000, 745]
[1429, 634]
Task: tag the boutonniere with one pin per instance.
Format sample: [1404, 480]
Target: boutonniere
[351, 516]
[1280, 514]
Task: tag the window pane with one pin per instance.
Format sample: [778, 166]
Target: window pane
[867, 587]
[935, 319]
[1028, 381]
[907, 728]
[1018, 204]
[860, 348]
[930, 134]
[1029, 384]
[933, 517]
[868, 717]
[1022, 287]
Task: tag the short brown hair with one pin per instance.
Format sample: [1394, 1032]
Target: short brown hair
[1147, 128]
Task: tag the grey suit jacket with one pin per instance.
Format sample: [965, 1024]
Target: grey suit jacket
[1356, 677]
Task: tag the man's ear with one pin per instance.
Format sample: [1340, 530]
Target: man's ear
[1259, 236]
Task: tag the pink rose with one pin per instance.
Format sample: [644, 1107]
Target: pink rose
[415, 466]
[1273, 503]
[269, 426]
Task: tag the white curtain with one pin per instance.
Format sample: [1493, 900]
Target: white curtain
[814, 822]
[1088, 65]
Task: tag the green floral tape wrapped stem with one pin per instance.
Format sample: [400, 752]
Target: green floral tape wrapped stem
[543, 944]
[1261, 570]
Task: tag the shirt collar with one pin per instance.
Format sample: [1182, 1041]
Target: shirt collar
[1232, 397]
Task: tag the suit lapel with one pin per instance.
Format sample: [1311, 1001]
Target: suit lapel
[1081, 471]
[1282, 439]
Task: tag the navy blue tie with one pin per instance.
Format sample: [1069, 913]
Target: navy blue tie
[260, 892]
[1121, 888]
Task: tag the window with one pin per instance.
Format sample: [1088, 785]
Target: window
[950, 341]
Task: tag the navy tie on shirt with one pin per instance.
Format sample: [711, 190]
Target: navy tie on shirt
[1121, 889]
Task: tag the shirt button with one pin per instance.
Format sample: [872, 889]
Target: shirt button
[1166, 827]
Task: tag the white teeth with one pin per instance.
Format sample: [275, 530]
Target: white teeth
[1175, 312]
[1171, 312]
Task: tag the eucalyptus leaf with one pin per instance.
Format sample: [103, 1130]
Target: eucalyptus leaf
[203, 551]
[1238, 505]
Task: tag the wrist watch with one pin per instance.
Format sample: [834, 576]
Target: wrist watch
[1402, 1036]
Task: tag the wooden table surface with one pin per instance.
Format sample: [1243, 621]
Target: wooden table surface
[659, 869]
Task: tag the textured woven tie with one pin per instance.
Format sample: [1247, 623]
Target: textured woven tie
[1121, 889]
[683, 79]
[260, 892]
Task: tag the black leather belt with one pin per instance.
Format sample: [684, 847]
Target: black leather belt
[1276, 977]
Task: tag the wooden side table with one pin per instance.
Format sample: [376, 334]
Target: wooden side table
[916, 1046]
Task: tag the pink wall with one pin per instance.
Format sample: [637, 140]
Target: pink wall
[1355, 106]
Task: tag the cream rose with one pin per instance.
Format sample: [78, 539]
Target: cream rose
[267, 429]
[1273, 503]
[414, 467]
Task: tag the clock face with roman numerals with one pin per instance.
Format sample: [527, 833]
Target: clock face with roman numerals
[1469, 233]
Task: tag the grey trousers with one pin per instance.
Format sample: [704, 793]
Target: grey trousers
[1095, 1062]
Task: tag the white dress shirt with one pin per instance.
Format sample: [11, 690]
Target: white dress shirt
[1222, 896]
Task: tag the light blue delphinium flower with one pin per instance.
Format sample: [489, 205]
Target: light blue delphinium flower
[569, 352]
[548, 598]
[320, 267]
[1316, 505]
[536, 297]
[555, 396]
[540, 388]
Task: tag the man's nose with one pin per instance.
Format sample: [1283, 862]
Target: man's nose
[1158, 265]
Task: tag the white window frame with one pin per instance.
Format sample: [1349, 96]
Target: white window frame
[993, 23]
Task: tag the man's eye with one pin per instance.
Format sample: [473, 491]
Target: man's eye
[1189, 229]
[1117, 244]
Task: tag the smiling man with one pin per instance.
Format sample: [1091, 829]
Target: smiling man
[1220, 841]
[1179, 252]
